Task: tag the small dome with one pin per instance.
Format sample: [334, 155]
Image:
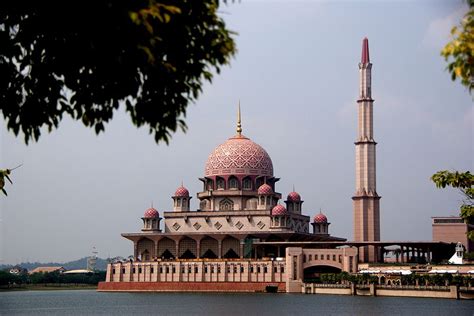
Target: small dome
[320, 218]
[182, 192]
[265, 189]
[279, 210]
[294, 197]
[151, 213]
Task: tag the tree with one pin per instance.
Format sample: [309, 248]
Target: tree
[87, 58]
[4, 174]
[460, 51]
[464, 181]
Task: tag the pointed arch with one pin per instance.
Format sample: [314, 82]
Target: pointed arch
[166, 248]
[251, 204]
[209, 248]
[209, 185]
[247, 183]
[205, 204]
[187, 246]
[233, 183]
[230, 247]
[226, 205]
[146, 249]
[220, 183]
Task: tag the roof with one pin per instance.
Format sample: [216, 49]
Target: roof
[79, 271]
[47, 269]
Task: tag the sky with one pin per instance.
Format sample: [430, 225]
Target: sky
[296, 76]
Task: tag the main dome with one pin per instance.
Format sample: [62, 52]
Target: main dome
[239, 156]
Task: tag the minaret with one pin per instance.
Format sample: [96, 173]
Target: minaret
[366, 199]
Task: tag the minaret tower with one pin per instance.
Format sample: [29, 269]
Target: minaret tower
[366, 199]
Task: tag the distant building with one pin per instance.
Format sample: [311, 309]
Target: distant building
[79, 271]
[452, 229]
[17, 270]
[47, 270]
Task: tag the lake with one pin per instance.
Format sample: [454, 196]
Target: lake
[90, 302]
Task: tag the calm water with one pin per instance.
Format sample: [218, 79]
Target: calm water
[85, 302]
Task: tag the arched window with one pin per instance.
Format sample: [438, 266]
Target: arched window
[251, 204]
[220, 184]
[233, 183]
[209, 184]
[226, 205]
[205, 204]
[247, 184]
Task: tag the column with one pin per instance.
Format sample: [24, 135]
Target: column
[219, 248]
[135, 250]
[198, 248]
[176, 244]
[156, 248]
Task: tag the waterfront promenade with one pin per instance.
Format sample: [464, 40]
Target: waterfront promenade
[433, 291]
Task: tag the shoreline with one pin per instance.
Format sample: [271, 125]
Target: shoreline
[48, 287]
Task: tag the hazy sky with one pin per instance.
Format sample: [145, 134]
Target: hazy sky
[296, 74]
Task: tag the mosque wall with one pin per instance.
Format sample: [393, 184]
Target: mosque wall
[198, 271]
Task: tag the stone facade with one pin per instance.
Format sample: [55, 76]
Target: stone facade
[246, 273]
[198, 271]
[299, 260]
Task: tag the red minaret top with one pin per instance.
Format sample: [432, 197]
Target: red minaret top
[365, 51]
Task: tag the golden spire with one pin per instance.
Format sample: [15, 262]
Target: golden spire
[239, 126]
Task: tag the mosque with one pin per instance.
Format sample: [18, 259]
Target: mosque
[242, 237]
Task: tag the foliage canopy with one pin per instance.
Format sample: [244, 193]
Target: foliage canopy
[464, 181]
[87, 58]
[460, 51]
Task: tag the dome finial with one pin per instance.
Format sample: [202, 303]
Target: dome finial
[239, 126]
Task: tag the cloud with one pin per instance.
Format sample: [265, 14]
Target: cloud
[438, 32]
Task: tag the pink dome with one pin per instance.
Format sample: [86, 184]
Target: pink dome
[279, 210]
[265, 189]
[151, 213]
[182, 191]
[294, 197]
[239, 156]
[320, 218]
